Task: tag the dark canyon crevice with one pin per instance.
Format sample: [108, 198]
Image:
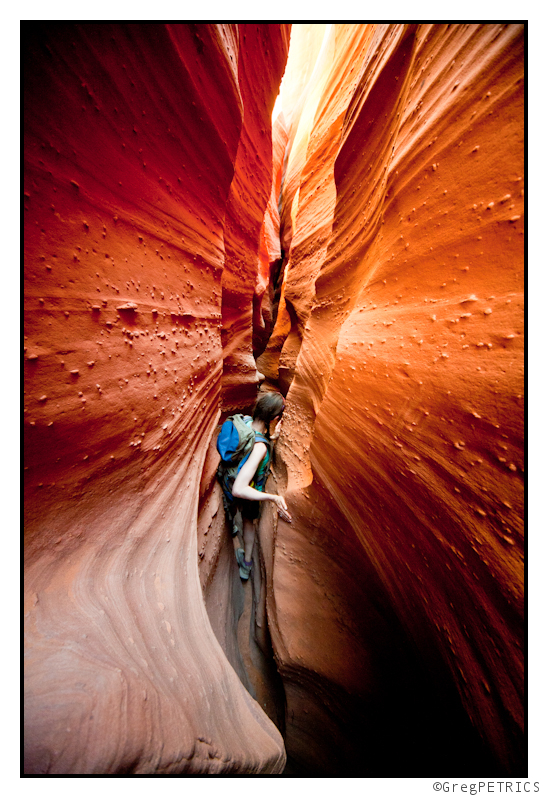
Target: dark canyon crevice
[359, 249]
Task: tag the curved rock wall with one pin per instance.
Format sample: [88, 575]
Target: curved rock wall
[133, 173]
[402, 445]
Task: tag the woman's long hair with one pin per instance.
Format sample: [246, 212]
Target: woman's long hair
[268, 406]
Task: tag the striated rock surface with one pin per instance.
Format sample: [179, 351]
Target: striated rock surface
[137, 143]
[249, 194]
[397, 602]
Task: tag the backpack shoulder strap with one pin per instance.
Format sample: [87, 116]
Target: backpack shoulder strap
[246, 436]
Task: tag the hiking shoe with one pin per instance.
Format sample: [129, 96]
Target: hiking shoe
[245, 568]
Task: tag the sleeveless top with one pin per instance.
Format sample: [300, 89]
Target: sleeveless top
[261, 474]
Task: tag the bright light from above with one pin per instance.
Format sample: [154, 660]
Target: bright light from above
[277, 107]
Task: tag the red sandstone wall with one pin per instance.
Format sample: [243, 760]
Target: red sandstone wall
[402, 446]
[133, 134]
[247, 202]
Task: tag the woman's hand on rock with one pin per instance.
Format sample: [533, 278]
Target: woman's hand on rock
[281, 506]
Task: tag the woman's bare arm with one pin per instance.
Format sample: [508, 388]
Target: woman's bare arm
[242, 489]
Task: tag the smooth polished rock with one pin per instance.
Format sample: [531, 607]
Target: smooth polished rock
[133, 133]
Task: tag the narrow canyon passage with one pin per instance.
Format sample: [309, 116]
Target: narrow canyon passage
[334, 211]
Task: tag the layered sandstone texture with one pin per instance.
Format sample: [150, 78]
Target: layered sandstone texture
[148, 169]
[396, 600]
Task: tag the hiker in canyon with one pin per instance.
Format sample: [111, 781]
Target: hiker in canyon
[250, 472]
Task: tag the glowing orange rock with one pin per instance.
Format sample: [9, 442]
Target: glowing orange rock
[403, 435]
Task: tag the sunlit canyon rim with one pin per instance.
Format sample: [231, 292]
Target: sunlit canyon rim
[358, 247]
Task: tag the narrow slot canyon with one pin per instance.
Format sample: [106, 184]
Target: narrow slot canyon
[335, 212]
